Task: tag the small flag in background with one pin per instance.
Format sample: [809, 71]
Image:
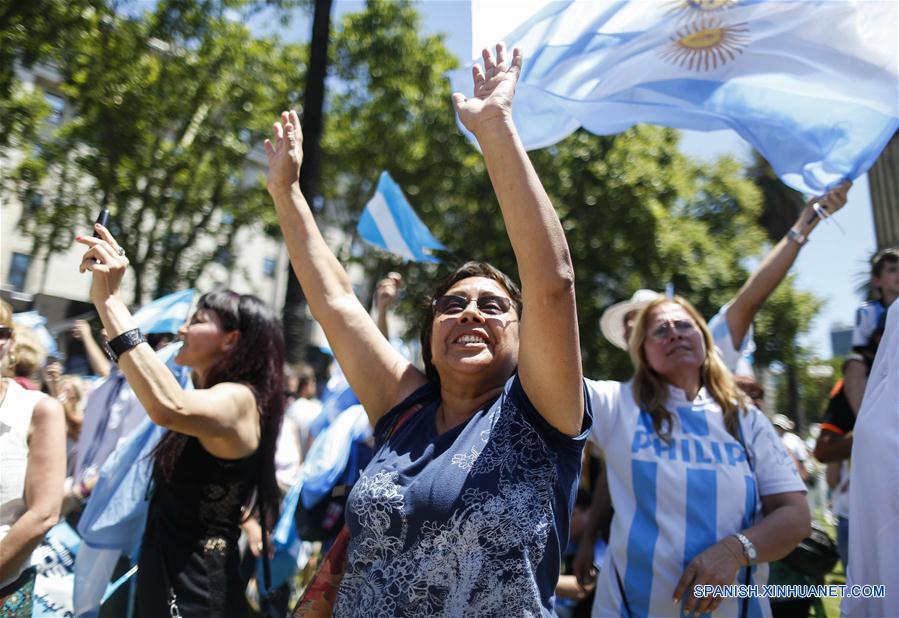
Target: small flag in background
[389, 223]
[812, 85]
[165, 314]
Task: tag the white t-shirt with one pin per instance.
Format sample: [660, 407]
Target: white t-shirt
[839, 495]
[16, 410]
[874, 483]
[674, 500]
[739, 361]
[795, 446]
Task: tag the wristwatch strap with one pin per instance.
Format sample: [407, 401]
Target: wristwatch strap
[797, 237]
[752, 555]
[124, 342]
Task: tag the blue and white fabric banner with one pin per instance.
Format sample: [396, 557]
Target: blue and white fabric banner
[291, 552]
[337, 397]
[330, 452]
[811, 84]
[389, 223]
[165, 314]
[55, 562]
[115, 515]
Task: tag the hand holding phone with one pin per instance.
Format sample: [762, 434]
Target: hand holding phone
[102, 219]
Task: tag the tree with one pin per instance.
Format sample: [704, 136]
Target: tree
[32, 32]
[787, 314]
[166, 109]
[780, 203]
[294, 314]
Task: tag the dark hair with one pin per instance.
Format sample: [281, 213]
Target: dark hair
[890, 255]
[305, 375]
[469, 269]
[257, 361]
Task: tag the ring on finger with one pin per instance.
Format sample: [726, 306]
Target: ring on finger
[120, 251]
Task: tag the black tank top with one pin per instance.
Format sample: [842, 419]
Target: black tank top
[190, 541]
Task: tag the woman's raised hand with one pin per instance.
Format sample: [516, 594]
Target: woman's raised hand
[494, 89]
[106, 260]
[284, 152]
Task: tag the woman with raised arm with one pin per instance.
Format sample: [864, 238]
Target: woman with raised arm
[218, 457]
[465, 506]
[704, 492]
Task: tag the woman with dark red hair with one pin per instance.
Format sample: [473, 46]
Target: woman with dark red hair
[219, 451]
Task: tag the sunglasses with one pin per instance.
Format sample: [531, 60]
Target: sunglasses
[681, 327]
[5, 332]
[450, 304]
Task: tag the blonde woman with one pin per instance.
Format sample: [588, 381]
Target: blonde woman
[703, 490]
[32, 469]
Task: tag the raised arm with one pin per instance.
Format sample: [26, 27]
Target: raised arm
[378, 374]
[774, 267]
[386, 292]
[549, 359]
[95, 356]
[225, 417]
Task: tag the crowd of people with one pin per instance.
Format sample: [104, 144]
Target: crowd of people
[496, 478]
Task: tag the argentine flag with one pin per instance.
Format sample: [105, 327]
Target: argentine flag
[165, 314]
[389, 223]
[811, 84]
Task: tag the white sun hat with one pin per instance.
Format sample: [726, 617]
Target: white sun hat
[612, 321]
[783, 421]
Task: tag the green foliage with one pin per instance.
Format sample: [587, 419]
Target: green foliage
[786, 313]
[166, 108]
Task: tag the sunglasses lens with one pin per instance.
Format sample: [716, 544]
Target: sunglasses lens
[681, 327]
[450, 304]
[488, 305]
[494, 305]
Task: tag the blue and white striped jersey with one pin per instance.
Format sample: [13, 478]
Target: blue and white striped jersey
[674, 499]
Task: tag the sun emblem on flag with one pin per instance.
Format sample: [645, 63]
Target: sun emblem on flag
[706, 45]
[706, 6]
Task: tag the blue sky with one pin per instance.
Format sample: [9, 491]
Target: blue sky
[831, 265]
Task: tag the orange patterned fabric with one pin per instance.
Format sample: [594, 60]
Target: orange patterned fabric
[318, 599]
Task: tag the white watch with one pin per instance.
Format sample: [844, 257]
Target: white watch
[797, 237]
[752, 556]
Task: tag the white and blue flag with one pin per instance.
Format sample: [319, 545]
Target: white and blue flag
[165, 314]
[389, 223]
[811, 84]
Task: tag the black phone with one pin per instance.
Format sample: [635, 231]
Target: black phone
[102, 219]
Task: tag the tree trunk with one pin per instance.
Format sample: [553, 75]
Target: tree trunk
[296, 327]
[780, 203]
